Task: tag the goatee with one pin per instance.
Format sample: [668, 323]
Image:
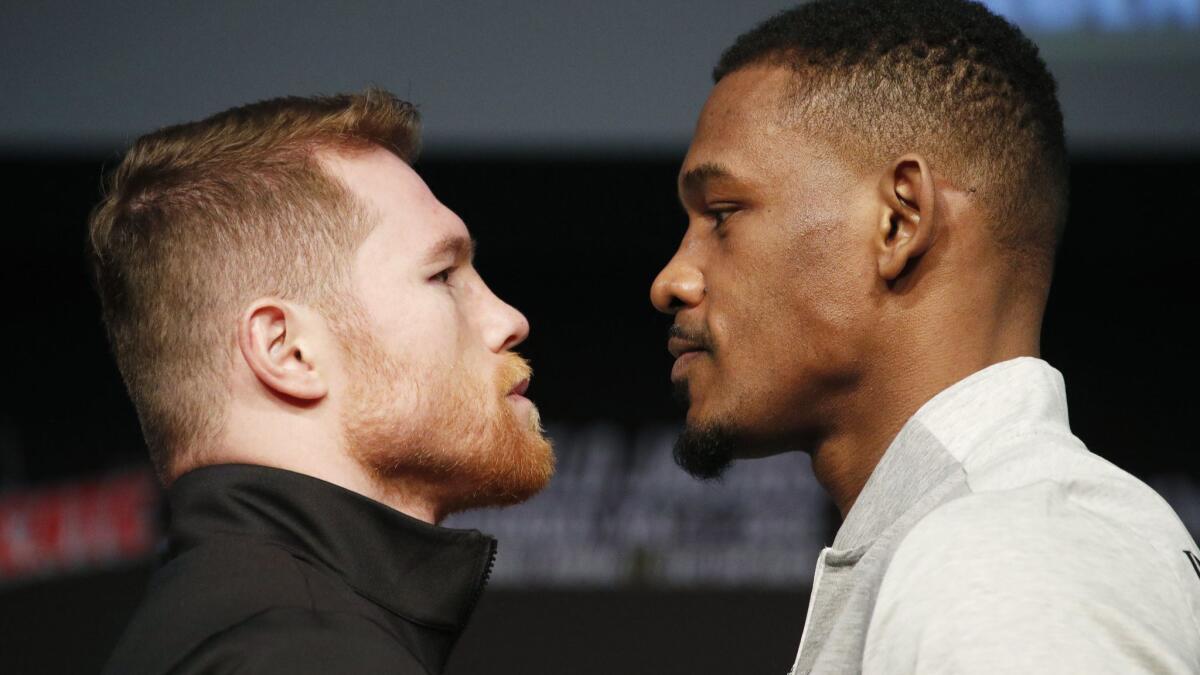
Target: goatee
[705, 452]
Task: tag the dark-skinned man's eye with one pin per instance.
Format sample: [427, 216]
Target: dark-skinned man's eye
[719, 217]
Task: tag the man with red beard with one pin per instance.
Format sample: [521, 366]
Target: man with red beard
[321, 377]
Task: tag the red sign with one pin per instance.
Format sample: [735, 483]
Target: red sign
[78, 525]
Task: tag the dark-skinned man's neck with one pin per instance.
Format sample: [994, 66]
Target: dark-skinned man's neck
[844, 458]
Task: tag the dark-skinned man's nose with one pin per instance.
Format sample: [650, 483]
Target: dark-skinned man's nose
[677, 286]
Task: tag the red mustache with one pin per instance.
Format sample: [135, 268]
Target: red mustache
[514, 372]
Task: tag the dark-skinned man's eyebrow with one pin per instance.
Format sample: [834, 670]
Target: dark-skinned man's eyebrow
[694, 179]
[461, 248]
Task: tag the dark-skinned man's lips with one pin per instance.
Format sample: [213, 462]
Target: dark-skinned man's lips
[686, 346]
[679, 346]
[683, 361]
[685, 352]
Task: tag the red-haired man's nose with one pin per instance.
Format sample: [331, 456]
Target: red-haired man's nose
[505, 327]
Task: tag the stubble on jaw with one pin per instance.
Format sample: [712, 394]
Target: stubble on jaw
[449, 439]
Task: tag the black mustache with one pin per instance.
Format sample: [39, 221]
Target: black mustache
[701, 340]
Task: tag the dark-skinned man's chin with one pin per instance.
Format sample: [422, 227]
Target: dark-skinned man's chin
[706, 452]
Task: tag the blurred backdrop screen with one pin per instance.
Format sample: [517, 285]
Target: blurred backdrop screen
[555, 130]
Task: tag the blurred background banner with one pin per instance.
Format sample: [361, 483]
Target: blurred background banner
[555, 129]
[77, 526]
[613, 77]
[620, 514]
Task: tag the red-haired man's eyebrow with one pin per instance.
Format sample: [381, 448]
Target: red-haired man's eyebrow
[461, 248]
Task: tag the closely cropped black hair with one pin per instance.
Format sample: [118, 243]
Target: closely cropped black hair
[943, 77]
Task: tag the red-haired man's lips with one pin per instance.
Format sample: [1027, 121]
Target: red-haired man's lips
[520, 388]
[516, 397]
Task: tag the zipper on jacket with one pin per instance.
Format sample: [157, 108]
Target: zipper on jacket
[487, 572]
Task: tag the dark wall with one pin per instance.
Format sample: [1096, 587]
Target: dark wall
[575, 244]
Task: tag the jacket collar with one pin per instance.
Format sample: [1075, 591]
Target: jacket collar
[427, 574]
[1018, 395]
[935, 444]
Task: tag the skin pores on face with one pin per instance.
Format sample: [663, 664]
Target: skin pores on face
[427, 406]
[778, 238]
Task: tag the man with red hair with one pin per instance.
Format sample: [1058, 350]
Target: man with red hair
[322, 377]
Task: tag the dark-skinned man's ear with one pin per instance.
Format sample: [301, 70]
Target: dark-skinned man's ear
[908, 219]
[271, 341]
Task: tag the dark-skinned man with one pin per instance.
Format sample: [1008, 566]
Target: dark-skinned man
[874, 192]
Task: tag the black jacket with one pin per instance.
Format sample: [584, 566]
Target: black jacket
[270, 571]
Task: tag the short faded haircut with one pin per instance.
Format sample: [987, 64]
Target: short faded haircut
[200, 219]
[945, 78]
